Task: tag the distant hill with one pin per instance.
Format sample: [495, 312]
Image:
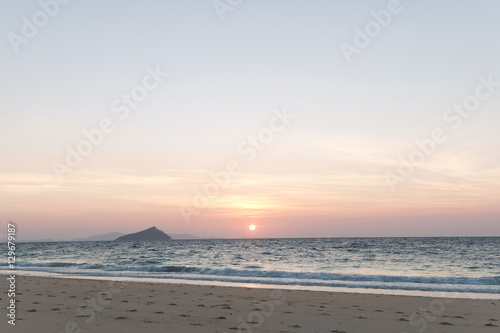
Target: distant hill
[106, 237]
[111, 237]
[148, 234]
[184, 236]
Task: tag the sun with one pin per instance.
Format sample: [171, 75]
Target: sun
[252, 227]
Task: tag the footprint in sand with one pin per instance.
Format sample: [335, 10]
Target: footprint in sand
[491, 325]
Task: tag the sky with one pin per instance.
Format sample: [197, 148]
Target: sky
[303, 118]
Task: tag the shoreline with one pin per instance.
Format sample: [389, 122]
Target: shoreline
[73, 304]
[215, 283]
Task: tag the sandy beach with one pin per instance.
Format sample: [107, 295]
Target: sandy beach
[74, 305]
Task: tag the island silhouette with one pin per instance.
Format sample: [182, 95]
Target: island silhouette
[151, 234]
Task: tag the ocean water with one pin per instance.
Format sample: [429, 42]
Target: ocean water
[385, 265]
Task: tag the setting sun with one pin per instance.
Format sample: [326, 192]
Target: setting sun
[252, 227]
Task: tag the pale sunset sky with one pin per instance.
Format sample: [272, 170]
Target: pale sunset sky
[320, 118]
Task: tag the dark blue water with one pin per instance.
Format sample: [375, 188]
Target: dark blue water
[469, 265]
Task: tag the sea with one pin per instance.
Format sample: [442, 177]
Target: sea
[458, 267]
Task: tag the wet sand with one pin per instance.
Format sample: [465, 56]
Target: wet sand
[74, 305]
